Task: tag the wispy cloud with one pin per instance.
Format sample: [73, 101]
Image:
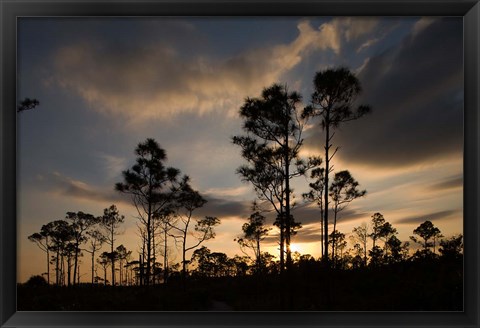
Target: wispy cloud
[229, 192]
[62, 185]
[357, 27]
[113, 165]
[422, 24]
[367, 44]
[434, 216]
[453, 182]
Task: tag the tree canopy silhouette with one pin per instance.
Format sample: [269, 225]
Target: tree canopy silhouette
[425, 231]
[254, 231]
[271, 147]
[80, 223]
[187, 201]
[27, 104]
[343, 190]
[335, 91]
[150, 184]
[110, 222]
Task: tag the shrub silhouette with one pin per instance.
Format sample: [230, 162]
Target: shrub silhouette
[36, 281]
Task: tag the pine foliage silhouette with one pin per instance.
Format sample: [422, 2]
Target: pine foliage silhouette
[27, 104]
[335, 91]
[149, 183]
[271, 147]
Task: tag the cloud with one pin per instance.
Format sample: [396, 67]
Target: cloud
[367, 44]
[453, 182]
[156, 81]
[354, 28]
[114, 165]
[306, 234]
[59, 184]
[62, 185]
[422, 24]
[229, 192]
[224, 208]
[435, 216]
[308, 214]
[415, 90]
[309, 233]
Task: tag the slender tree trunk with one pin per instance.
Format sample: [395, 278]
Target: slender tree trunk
[149, 238]
[112, 254]
[154, 255]
[48, 260]
[327, 168]
[334, 239]
[259, 254]
[282, 240]
[48, 267]
[62, 271]
[141, 270]
[288, 222]
[75, 262]
[287, 208]
[58, 270]
[105, 275]
[365, 253]
[184, 264]
[165, 256]
[93, 266]
[321, 231]
[385, 248]
[119, 281]
[69, 271]
[57, 276]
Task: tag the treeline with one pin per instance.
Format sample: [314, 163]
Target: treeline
[386, 249]
[65, 243]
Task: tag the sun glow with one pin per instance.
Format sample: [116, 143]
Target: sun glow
[296, 248]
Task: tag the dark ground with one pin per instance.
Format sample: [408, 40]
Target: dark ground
[436, 286]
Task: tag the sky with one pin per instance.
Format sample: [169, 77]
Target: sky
[107, 84]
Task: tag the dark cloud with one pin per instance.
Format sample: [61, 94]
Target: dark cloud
[452, 182]
[304, 235]
[310, 214]
[416, 92]
[65, 186]
[307, 216]
[435, 216]
[308, 235]
[224, 208]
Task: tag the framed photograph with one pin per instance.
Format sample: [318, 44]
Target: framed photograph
[222, 163]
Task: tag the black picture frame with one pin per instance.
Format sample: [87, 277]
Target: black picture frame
[10, 10]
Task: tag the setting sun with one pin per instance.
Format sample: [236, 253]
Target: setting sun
[296, 248]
